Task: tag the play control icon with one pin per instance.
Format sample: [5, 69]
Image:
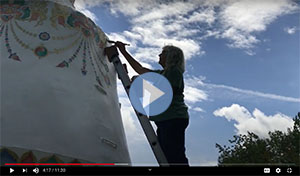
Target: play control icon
[151, 94]
[278, 170]
[267, 170]
[24, 170]
[36, 170]
[11, 170]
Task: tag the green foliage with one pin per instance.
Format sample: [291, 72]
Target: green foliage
[250, 149]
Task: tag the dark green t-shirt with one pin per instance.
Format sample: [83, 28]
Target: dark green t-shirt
[177, 108]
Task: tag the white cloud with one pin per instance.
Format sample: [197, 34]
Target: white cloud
[254, 15]
[132, 35]
[83, 5]
[290, 30]
[208, 16]
[147, 54]
[257, 122]
[239, 39]
[255, 93]
[194, 81]
[167, 35]
[165, 10]
[127, 113]
[243, 18]
[193, 95]
[157, 23]
[130, 7]
[127, 118]
[198, 109]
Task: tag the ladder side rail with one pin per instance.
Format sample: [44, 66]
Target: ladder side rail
[152, 139]
[123, 76]
[144, 121]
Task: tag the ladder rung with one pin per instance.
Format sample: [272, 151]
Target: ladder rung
[144, 121]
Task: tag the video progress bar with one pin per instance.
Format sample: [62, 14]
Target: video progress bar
[64, 164]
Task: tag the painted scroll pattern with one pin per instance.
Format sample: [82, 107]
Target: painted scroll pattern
[84, 35]
[9, 156]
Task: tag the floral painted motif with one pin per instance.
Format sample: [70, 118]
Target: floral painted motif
[72, 19]
[1, 29]
[51, 159]
[12, 55]
[13, 9]
[23, 10]
[44, 36]
[59, 15]
[28, 157]
[67, 63]
[39, 12]
[98, 86]
[8, 156]
[41, 51]
[100, 38]
[14, 12]
[83, 69]
[75, 161]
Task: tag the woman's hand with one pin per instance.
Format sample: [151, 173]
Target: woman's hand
[133, 78]
[133, 63]
[121, 46]
[111, 52]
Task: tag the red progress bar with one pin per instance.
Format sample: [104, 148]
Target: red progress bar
[60, 164]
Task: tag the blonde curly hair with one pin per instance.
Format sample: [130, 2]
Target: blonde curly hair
[174, 57]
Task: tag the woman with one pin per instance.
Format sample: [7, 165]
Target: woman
[172, 123]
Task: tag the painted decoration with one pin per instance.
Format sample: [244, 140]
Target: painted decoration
[59, 96]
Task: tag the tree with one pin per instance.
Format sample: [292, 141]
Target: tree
[278, 148]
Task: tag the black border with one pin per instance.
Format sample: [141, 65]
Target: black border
[120, 170]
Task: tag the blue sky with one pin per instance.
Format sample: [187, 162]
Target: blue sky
[242, 65]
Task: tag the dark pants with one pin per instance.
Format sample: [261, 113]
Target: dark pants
[170, 135]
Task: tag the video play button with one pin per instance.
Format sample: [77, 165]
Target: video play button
[11, 170]
[151, 94]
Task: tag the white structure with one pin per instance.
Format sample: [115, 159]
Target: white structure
[59, 98]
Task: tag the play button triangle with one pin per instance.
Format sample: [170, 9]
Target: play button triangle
[150, 93]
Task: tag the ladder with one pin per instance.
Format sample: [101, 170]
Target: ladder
[144, 121]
